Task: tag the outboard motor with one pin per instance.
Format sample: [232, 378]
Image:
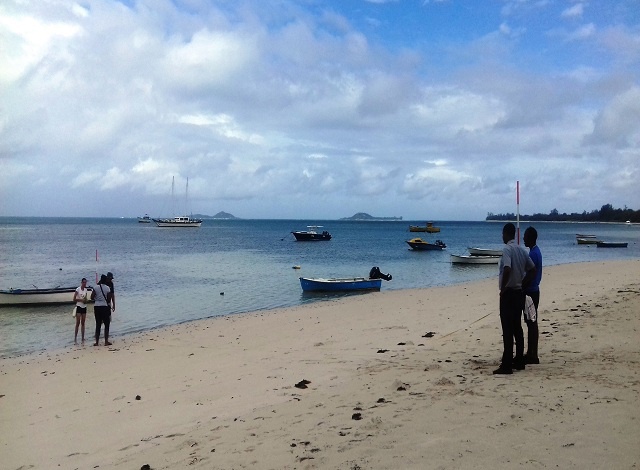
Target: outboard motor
[376, 274]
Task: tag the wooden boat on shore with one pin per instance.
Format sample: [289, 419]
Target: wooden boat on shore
[312, 235]
[418, 244]
[339, 284]
[52, 296]
[429, 228]
[484, 252]
[474, 259]
[611, 244]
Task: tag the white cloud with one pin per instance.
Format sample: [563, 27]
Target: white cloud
[258, 103]
[574, 11]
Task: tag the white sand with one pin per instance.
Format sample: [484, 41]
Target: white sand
[220, 394]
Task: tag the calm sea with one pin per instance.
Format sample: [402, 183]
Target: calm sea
[168, 276]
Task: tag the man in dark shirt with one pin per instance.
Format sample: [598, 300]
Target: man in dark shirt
[113, 290]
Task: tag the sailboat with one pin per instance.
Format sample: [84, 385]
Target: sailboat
[180, 221]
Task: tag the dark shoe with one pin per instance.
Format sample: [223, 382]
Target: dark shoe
[502, 371]
[519, 365]
[531, 360]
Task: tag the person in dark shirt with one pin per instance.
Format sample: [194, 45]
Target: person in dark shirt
[533, 290]
[113, 290]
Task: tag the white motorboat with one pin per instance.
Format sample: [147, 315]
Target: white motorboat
[55, 295]
[484, 252]
[474, 259]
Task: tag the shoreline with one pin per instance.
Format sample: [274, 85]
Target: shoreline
[221, 392]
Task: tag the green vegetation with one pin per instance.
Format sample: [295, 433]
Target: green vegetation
[606, 214]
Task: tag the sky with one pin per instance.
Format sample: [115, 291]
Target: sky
[318, 109]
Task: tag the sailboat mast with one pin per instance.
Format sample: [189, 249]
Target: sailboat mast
[173, 203]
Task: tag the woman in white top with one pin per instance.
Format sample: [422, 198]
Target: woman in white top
[80, 298]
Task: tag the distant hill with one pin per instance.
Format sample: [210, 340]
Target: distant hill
[219, 215]
[365, 216]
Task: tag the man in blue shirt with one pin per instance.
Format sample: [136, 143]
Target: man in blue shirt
[533, 290]
[516, 270]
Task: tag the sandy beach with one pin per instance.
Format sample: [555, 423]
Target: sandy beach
[397, 379]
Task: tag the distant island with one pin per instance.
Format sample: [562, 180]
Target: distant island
[219, 215]
[365, 216]
[606, 214]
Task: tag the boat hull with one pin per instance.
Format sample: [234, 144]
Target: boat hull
[420, 245]
[484, 252]
[588, 241]
[339, 284]
[429, 228]
[612, 244]
[468, 259]
[59, 295]
[178, 222]
[311, 237]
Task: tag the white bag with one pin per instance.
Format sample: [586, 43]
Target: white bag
[73, 314]
[530, 309]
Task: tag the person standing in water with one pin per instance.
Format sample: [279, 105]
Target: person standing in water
[80, 298]
[102, 296]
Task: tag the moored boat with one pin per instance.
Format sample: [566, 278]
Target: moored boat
[184, 221]
[339, 284]
[484, 252]
[419, 244]
[180, 221]
[471, 259]
[145, 219]
[312, 234]
[587, 241]
[611, 244]
[424, 228]
[52, 296]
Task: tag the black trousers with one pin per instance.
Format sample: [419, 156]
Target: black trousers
[103, 315]
[511, 306]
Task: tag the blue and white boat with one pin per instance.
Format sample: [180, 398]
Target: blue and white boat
[340, 284]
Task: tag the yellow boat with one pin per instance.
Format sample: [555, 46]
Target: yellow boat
[426, 228]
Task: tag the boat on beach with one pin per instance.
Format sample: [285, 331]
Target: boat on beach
[339, 284]
[474, 259]
[36, 296]
[428, 227]
[484, 252]
[418, 244]
[312, 234]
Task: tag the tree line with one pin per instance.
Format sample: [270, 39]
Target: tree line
[607, 213]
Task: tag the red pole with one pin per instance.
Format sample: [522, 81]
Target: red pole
[518, 210]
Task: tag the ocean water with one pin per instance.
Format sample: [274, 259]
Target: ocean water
[168, 276]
